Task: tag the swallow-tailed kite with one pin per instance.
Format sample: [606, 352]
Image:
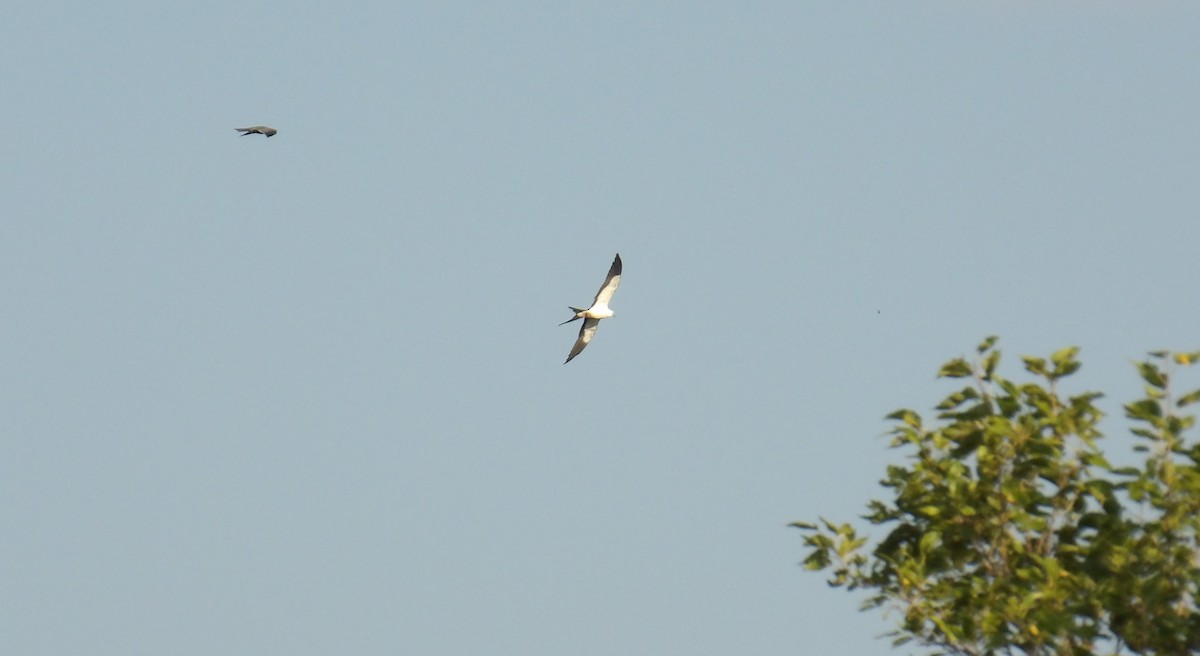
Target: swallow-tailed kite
[599, 310]
[258, 129]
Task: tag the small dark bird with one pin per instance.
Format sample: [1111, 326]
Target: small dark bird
[599, 310]
[258, 129]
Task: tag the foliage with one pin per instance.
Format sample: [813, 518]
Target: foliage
[1011, 533]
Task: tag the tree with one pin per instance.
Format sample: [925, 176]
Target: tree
[1008, 531]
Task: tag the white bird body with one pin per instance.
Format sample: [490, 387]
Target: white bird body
[599, 309]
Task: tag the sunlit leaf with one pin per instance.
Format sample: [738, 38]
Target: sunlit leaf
[1095, 459]
[907, 416]
[1036, 366]
[1188, 399]
[1063, 356]
[956, 368]
[1008, 530]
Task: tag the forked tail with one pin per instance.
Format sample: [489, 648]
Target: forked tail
[577, 312]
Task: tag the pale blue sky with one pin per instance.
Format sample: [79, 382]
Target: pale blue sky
[305, 395]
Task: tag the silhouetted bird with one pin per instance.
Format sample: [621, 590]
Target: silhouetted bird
[258, 129]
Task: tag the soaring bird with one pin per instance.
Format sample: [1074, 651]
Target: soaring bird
[599, 310]
[258, 129]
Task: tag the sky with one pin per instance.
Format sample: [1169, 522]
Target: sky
[306, 395]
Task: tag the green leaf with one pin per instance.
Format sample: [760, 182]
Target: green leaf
[1142, 432]
[951, 633]
[1063, 356]
[1189, 398]
[956, 368]
[1007, 530]
[907, 416]
[817, 560]
[1151, 374]
[1096, 460]
[1146, 409]
[990, 363]
[986, 344]
[1100, 489]
[967, 443]
[1067, 369]
[1137, 490]
[958, 398]
[976, 411]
